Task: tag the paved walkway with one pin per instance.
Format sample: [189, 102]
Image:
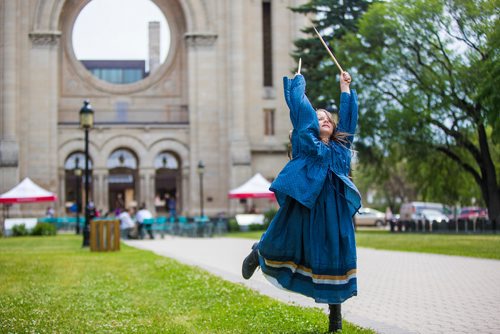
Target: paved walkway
[398, 292]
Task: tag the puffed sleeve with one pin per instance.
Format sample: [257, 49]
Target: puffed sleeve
[302, 113]
[348, 114]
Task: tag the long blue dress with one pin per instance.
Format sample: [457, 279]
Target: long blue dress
[309, 247]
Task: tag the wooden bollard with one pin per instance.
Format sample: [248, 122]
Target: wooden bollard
[104, 235]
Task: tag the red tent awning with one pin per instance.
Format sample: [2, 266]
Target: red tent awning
[256, 187]
[27, 192]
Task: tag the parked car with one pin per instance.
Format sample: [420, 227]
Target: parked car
[369, 217]
[472, 212]
[434, 215]
[413, 210]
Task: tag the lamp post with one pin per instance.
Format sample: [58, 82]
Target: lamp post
[201, 170]
[86, 123]
[78, 174]
[332, 106]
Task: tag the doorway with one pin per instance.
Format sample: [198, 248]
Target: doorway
[167, 183]
[122, 180]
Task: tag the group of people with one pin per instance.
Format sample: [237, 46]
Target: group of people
[131, 219]
[132, 222]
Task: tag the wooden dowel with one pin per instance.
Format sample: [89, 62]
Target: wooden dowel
[327, 49]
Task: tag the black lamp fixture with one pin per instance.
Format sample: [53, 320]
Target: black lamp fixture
[201, 171]
[86, 115]
[78, 174]
[86, 123]
[332, 106]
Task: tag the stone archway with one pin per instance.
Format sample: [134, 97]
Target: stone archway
[123, 184]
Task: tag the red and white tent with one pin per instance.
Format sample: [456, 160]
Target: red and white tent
[256, 187]
[27, 192]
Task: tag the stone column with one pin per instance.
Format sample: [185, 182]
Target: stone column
[9, 95]
[100, 189]
[236, 84]
[204, 117]
[186, 205]
[146, 176]
[61, 193]
[151, 193]
[39, 117]
[105, 190]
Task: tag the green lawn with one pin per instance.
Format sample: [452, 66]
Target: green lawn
[480, 245]
[52, 285]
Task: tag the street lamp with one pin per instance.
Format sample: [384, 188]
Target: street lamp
[86, 123]
[201, 170]
[332, 107]
[78, 174]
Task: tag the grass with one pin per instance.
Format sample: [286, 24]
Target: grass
[52, 285]
[472, 245]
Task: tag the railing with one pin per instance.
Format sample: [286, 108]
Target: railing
[479, 225]
[186, 226]
[161, 225]
[68, 223]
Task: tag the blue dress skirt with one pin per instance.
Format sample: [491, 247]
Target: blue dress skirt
[313, 251]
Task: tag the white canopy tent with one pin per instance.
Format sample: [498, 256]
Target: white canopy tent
[256, 187]
[27, 192]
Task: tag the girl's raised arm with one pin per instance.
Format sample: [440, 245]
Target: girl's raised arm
[302, 113]
[348, 113]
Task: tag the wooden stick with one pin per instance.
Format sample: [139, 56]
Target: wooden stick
[327, 49]
[300, 65]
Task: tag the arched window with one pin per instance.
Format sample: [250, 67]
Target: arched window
[76, 160]
[122, 158]
[166, 160]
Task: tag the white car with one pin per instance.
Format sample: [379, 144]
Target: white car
[369, 217]
[434, 215]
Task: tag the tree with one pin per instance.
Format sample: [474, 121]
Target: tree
[333, 19]
[430, 74]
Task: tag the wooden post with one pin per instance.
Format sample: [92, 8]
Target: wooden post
[104, 235]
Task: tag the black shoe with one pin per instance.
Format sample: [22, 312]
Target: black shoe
[335, 318]
[250, 263]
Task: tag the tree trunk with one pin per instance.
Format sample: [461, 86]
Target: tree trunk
[489, 186]
[494, 208]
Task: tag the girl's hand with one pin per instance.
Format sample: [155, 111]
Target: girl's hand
[345, 81]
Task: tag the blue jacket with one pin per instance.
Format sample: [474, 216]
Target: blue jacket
[303, 177]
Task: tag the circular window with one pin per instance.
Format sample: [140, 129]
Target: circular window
[121, 41]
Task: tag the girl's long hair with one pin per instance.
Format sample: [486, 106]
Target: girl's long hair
[338, 136]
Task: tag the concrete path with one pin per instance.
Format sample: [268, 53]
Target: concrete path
[398, 292]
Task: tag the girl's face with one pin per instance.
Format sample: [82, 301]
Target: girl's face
[326, 126]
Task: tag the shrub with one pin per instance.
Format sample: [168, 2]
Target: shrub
[233, 226]
[256, 227]
[44, 229]
[19, 230]
[268, 217]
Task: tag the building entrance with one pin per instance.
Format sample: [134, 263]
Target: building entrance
[167, 183]
[122, 180]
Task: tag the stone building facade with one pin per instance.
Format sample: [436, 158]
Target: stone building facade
[217, 98]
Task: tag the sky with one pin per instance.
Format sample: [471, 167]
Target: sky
[118, 30]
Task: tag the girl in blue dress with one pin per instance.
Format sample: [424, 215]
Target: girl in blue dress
[309, 247]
